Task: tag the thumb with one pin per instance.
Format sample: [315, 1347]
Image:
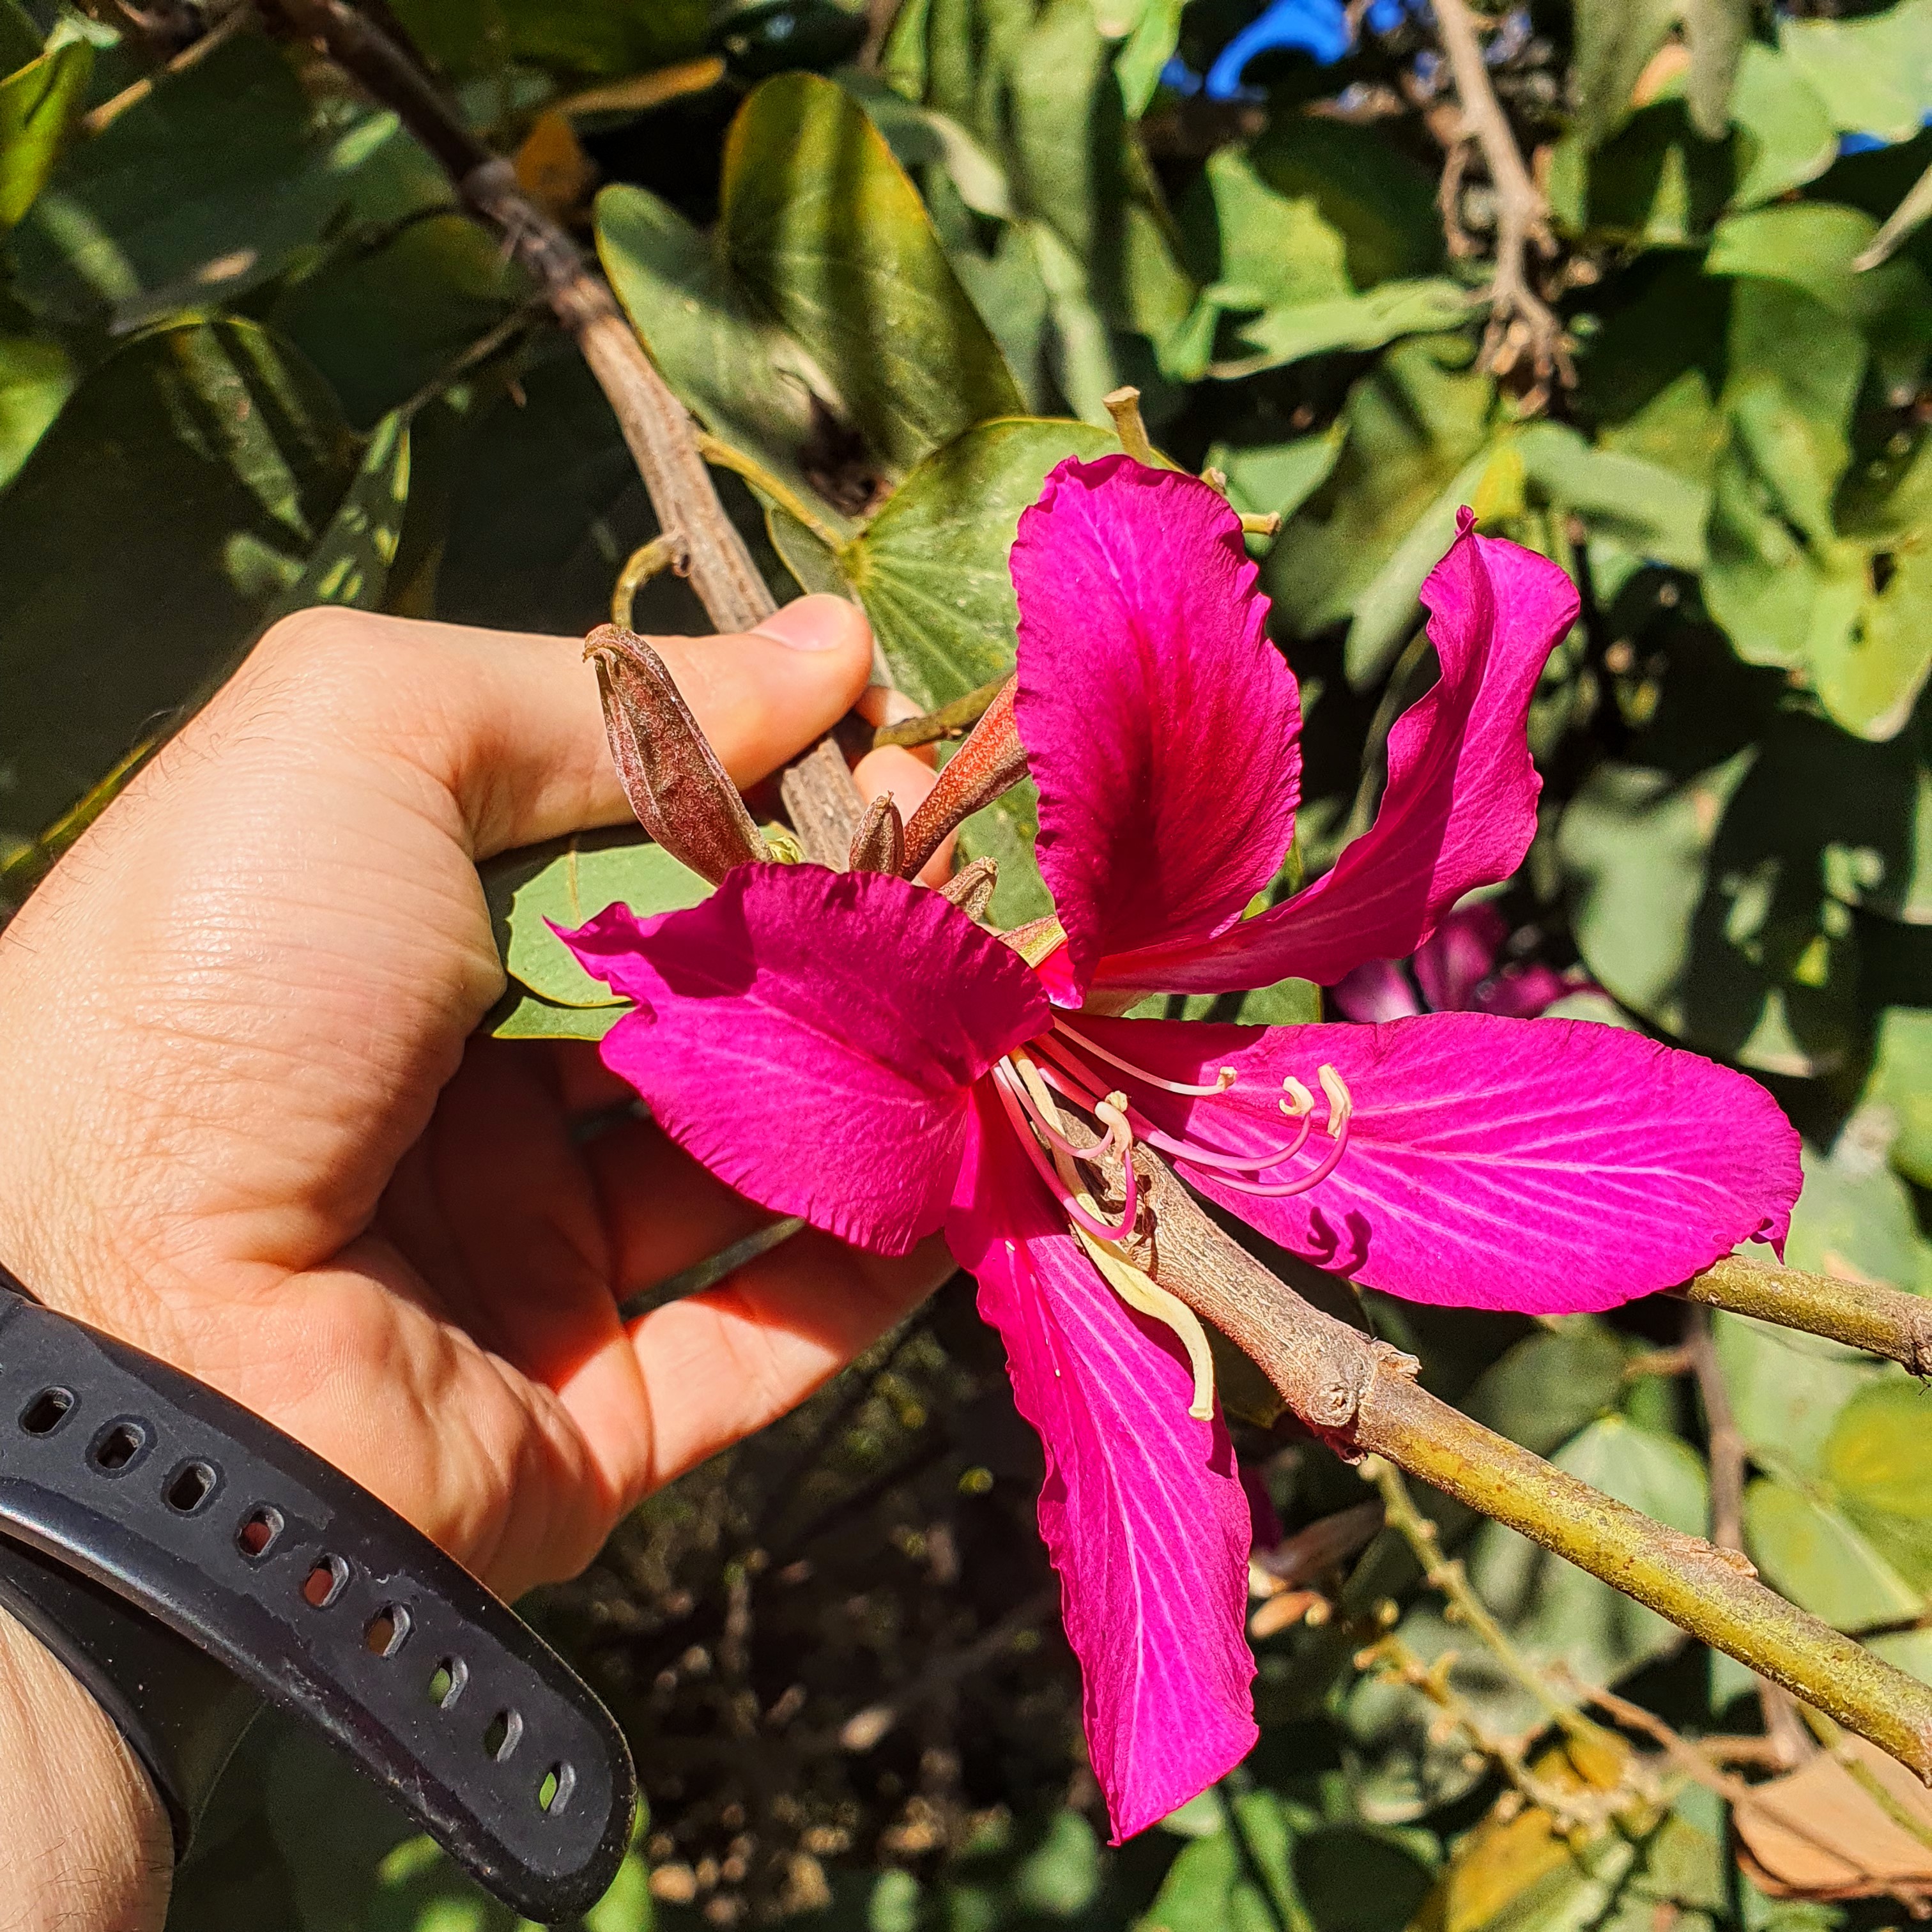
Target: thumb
[763, 696]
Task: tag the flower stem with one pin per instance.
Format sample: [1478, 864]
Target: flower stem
[1362, 1396]
[1862, 1315]
[1447, 1576]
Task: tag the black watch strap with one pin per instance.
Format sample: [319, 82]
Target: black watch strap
[188, 1561]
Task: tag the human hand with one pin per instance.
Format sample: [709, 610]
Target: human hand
[251, 1129]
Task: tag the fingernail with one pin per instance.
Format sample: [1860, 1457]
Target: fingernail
[816, 623]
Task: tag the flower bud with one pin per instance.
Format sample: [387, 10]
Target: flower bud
[879, 844]
[680, 791]
[990, 761]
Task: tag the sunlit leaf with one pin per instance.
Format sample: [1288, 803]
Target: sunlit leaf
[566, 882]
[36, 377]
[198, 192]
[1810, 1552]
[1614, 41]
[36, 103]
[820, 326]
[1698, 904]
[1879, 1460]
[1874, 74]
[932, 567]
[349, 565]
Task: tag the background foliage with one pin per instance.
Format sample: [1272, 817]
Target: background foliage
[253, 356]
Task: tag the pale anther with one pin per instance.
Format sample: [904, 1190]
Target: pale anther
[1300, 1102]
[1341, 1102]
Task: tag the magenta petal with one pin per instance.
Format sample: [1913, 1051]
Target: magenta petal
[812, 1038]
[1377, 989]
[1460, 809]
[1142, 1510]
[1159, 723]
[1549, 1166]
[1458, 955]
[1524, 991]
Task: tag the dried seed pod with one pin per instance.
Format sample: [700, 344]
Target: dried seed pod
[971, 890]
[680, 791]
[879, 844]
[991, 760]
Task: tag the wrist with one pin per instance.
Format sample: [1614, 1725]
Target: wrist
[87, 1844]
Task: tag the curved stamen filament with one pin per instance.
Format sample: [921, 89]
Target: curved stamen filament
[1049, 1131]
[1025, 1085]
[1144, 1129]
[1341, 1113]
[1022, 1125]
[1039, 1107]
[1223, 1082]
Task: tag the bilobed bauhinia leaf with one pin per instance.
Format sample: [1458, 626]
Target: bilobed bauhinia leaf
[819, 327]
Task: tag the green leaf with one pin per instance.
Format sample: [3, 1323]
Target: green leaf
[1786, 1389]
[1697, 902]
[1812, 245]
[215, 456]
[1151, 43]
[20, 40]
[1060, 1877]
[1717, 31]
[204, 190]
[568, 881]
[1280, 256]
[1241, 1879]
[1901, 1083]
[822, 306]
[1282, 335]
[1554, 1610]
[349, 565]
[1873, 73]
[1614, 40]
[1277, 478]
[546, 506]
[1847, 611]
[36, 378]
[1880, 1461]
[1678, 428]
[1382, 204]
[586, 37]
[382, 323]
[1551, 1385]
[1654, 511]
[930, 568]
[36, 102]
[1854, 1218]
[1414, 427]
[1784, 131]
[1812, 1553]
[520, 1015]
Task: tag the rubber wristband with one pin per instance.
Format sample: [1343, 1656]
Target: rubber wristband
[187, 1559]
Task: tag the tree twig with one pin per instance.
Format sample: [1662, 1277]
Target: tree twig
[110, 110]
[655, 426]
[1362, 1396]
[1522, 215]
[1862, 1315]
[1449, 1579]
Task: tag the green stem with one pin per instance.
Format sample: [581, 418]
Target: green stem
[1447, 1576]
[1362, 1397]
[949, 720]
[760, 478]
[1862, 1315]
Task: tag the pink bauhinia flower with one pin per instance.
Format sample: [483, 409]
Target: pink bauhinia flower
[850, 1048]
[1455, 968]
